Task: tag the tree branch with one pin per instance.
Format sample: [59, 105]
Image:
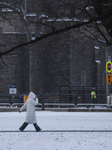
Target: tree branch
[49, 34]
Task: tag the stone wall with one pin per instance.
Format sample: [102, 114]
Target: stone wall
[51, 63]
[14, 66]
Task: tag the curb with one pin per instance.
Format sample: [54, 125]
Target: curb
[60, 110]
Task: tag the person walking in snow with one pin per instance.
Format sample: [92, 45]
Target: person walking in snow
[29, 105]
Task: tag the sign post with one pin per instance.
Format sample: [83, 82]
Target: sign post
[107, 59]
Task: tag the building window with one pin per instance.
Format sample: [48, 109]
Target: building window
[83, 78]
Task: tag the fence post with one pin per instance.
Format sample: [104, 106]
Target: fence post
[83, 95]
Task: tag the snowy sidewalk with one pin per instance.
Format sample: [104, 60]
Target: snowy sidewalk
[57, 140]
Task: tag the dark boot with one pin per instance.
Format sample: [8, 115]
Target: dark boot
[37, 127]
[23, 126]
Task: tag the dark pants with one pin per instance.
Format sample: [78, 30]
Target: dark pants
[94, 101]
[24, 125]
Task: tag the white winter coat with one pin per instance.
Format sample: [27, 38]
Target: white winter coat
[29, 105]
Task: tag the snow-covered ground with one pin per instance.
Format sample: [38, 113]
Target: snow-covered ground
[57, 140]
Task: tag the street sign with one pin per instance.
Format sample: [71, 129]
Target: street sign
[109, 79]
[109, 66]
[12, 89]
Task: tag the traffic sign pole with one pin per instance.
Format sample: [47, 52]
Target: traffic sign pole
[107, 86]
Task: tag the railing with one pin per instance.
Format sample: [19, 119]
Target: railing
[17, 104]
[21, 104]
[90, 105]
[59, 105]
[68, 95]
[82, 94]
[5, 104]
[56, 105]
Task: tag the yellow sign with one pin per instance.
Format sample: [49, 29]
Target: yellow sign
[108, 66]
[109, 79]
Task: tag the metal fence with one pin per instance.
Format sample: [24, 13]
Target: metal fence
[67, 94]
[6, 98]
[82, 94]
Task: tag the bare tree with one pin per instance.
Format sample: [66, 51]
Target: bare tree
[51, 20]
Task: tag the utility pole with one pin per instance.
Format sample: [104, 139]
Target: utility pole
[107, 85]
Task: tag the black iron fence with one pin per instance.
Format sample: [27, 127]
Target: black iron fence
[67, 94]
[82, 94]
[6, 98]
